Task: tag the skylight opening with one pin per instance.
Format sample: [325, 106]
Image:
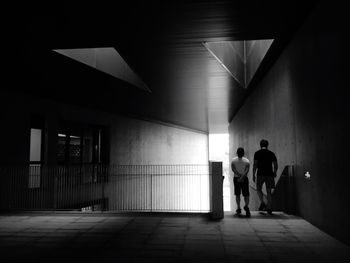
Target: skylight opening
[107, 60]
[241, 59]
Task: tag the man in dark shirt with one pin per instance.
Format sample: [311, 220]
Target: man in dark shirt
[265, 163]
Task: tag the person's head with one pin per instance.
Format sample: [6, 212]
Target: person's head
[240, 152]
[264, 143]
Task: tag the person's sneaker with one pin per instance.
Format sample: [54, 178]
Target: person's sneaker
[247, 212]
[238, 211]
[269, 211]
[262, 207]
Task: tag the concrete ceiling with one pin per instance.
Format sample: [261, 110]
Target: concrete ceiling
[162, 41]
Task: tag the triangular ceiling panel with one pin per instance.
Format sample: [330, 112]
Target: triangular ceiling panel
[107, 60]
[241, 59]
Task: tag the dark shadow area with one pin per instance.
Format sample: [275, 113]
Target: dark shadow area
[284, 196]
[263, 215]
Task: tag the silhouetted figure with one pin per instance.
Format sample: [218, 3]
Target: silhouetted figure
[265, 163]
[240, 167]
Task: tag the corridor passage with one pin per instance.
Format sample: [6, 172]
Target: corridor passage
[58, 237]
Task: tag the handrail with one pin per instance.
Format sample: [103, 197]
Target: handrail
[179, 187]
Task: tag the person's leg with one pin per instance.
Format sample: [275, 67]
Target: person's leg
[270, 184]
[269, 198]
[260, 195]
[269, 201]
[259, 182]
[245, 192]
[246, 206]
[237, 186]
[246, 201]
[238, 202]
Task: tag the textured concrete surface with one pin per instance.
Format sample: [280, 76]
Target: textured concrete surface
[164, 238]
[131, 141]
[302, 108]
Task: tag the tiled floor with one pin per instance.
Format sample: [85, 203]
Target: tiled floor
[164, 238]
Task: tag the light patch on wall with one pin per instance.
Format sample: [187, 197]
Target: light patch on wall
[107, 60]
[219, 151]
[35, 145]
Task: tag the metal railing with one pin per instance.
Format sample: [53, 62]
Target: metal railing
[175, 188]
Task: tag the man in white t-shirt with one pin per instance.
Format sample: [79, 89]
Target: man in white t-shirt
[240, 167]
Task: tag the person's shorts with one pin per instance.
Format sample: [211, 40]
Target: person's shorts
[242, 187]
[268, 180]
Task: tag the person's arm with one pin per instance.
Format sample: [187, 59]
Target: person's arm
[255, 167]
[245, 172]
[234, 169]
[275, 167]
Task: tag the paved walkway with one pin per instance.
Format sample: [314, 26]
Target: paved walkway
[164, 238]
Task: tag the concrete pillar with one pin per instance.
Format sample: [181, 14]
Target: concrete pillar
[216, 191]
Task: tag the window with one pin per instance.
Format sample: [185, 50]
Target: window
[35, 153]
[35, 145]
[61, 148]
[81, 144]
[83, 147]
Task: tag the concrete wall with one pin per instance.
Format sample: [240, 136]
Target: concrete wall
[132, 141]
[142, 142]
[301, 106]
[266, 114]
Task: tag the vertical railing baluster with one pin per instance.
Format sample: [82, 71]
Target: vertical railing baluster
[178, 188]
